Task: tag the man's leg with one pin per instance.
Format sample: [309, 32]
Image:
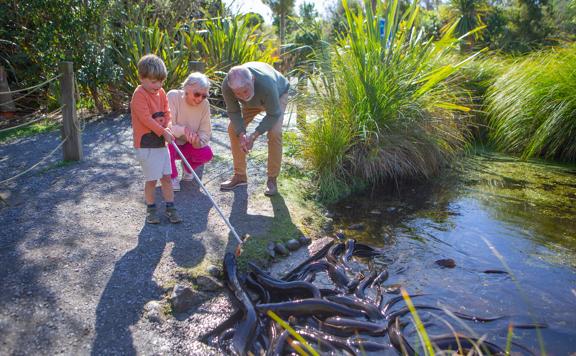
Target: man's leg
[238, 156]
[275, 149]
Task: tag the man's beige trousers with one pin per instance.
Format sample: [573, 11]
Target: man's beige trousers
[274, 141]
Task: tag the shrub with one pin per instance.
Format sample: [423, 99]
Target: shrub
[532, 106]
[384, 105]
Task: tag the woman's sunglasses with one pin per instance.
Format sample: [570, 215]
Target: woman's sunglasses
[197, 95]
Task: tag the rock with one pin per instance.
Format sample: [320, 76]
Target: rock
[270, 249]
[340, 235]
[208, 284]
[183, 298]
[280, 249]
[358, 226]
[391, 209]
[292, 245]
[304, 240]
[375, 212]
[329, 214]
[446, 262]
[153, 311]
[214, 271]
[328, 225]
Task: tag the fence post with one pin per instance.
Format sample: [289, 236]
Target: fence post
[70, 126]
[7, 107]
[195, 66]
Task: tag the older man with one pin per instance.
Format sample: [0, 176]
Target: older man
[249, 89]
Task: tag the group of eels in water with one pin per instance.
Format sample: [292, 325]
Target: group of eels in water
[354, 317]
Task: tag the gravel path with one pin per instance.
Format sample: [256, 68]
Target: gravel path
[77, 262]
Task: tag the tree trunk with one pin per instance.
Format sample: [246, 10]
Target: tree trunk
[96, 97]
[282, 29]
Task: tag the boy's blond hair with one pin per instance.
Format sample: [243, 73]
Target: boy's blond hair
[152, 67]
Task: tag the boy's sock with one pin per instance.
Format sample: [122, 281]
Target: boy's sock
[151, 205]
[169, 204]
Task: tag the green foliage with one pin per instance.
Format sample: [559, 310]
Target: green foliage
[224, 43]
[135, 41]
[532, 106]
[385, 108]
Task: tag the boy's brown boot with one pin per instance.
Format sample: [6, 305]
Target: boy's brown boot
[152, 215]
[236, 181]
[172, 215]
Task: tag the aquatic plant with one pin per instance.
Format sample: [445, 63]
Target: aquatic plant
[385, 108]
[532, 106]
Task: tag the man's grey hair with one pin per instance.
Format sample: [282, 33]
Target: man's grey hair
[197, 79]
[239, 77]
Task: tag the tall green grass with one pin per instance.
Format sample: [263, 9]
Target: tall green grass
[385, 107]
[532, 106]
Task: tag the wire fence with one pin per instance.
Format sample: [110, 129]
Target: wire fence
[71, 125]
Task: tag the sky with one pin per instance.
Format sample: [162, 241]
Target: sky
[257, 6]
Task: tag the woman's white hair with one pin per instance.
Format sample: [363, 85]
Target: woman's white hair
[197, 79]
[239, 77]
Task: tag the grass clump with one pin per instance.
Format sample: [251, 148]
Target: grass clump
[30, 130]
[532, 106]
[386, 108]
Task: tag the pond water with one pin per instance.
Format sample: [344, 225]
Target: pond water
[492, 213]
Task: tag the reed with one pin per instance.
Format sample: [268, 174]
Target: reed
[532, 106]
[385, 107]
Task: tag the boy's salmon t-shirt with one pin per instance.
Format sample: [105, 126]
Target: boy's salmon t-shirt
[147, 132]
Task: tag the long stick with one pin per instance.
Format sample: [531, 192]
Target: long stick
[207, 193]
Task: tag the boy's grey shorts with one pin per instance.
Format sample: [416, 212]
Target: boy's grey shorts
[155, 162]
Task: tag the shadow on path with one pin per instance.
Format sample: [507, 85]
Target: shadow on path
[132, 283]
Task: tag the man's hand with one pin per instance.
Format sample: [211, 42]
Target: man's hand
[168, 135]
[244, 144]
[250, 140]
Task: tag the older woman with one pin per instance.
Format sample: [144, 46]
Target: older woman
[190, 125]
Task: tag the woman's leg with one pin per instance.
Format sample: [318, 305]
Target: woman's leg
[173, 157]
[196, 156]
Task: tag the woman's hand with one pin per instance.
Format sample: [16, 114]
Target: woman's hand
[194, 139]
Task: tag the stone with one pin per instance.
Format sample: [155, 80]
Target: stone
[328, 225]
[214, 271]
[208, 284]
[270, 249]
[375, 212]
[281, 249]
[358, 226]
[304, 240]
[292, 244]
[446, 262]
[184, 298]
[153, 311]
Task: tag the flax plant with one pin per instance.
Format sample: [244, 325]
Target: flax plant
[532, 106]
[384, 104]
[225, 42]
[138, 40]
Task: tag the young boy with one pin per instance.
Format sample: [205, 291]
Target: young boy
[150, 117]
